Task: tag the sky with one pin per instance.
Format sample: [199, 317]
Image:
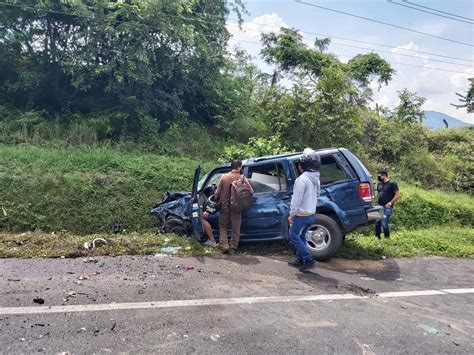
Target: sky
[437, 78]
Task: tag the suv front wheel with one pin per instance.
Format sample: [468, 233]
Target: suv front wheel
[324, 238]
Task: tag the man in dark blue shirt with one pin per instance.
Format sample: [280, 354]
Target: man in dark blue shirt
[388, 194]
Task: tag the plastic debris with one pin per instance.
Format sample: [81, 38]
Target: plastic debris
[170, 250]
[215, 337]
[429, 329]
[38, 300]
[90, 260]
[91, 244]
[69, 295]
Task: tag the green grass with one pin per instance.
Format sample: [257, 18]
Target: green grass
[48, 245]
[84, 190]
[447, 241]
[440, 241]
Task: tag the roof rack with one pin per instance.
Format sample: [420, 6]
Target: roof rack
[276, 156]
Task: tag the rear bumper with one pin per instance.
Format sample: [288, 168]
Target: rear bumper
[375, 213]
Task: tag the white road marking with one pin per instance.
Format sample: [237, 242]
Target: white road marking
[220, 301]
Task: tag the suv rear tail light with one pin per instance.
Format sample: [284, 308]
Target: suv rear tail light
[365, 192]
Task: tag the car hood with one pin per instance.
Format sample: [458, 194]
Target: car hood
[173, 203]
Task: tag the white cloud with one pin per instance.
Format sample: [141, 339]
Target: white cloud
[400, 52]
[251, 31]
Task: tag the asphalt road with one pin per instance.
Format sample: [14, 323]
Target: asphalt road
[237, 304]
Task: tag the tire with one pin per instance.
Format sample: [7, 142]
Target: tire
[324, 238]
[176, 226]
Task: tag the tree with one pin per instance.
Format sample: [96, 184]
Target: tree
[467, 101]
[409, 108]
[322, 108]
[155, 58]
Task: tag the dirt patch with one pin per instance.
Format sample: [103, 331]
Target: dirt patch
[386, 270]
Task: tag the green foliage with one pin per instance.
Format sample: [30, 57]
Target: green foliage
[409, 108]
[420, 208]
[256, 147]
[467, 100]
[138, 61]
[85, 190]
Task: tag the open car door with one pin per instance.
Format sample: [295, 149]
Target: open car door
[195, 210]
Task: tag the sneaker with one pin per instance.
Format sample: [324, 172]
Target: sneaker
[307, 265]
[295, 263]
[211, 243]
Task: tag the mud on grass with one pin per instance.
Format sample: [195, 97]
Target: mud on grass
[49, 245]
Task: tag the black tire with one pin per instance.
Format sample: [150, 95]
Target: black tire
[324, 238]
[176, 226]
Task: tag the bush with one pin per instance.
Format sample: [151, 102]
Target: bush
[256, 147]
[419, 208]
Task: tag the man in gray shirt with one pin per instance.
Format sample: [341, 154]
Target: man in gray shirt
[303, 207]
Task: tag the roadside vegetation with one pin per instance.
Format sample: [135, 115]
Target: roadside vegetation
[94, 134]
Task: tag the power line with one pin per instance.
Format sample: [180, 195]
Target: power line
[443, 12]
[365, 42]
[430, 12]
[384, 23]
[393, 63]
[401, 54]
[382, 51]
[257, 23]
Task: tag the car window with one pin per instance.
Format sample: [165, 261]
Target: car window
[330, 171]
[267, 178]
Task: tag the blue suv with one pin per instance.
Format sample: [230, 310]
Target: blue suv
[345, 204]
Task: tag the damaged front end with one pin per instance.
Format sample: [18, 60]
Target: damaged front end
[172, 213]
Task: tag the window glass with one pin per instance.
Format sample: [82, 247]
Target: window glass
[267, 178]
[330, 171]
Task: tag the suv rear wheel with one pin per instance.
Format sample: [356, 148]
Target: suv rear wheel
[324, 238]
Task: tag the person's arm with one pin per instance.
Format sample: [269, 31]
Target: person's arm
[297, 199]
[217, 194]
[396, 197]
[247, 182]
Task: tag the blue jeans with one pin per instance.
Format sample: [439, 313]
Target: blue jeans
[384, 223]
[298, 231]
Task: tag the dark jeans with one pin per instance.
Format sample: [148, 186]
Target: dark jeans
[298, 230]
[384, 224]
[235, 219]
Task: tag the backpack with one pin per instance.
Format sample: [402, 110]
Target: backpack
[240, 196]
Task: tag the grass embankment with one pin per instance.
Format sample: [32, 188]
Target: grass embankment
[84, 190]
[81, 191]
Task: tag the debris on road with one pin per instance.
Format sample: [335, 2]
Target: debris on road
[90, 260]
[38, 300]
[170, 250]
[429, 329]
[91, 244]
[70, 294]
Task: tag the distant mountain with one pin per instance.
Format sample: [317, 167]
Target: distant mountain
[434, 119]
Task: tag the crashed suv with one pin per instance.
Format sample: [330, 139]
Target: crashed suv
[345, 204]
